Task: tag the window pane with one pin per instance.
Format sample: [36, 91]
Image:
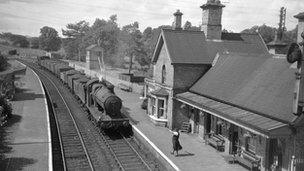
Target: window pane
[160, 103]
[153, 110]
[160, 113]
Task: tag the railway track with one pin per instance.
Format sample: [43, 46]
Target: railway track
[83, 145]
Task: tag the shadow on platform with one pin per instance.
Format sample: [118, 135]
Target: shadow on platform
[185, 154]
[10, 163]
[23, 95]
[126, 112]
[15, 163]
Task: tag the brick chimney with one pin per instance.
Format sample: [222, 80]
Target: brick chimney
[177, 24]
[300, 18]
[212, 19]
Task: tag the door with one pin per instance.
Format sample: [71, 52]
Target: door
[201, 129]
[275, 155]
[233, 138]
[207, 123]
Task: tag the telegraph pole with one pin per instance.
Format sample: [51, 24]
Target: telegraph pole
[282, 26]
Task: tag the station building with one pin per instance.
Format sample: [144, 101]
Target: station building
[227, 87]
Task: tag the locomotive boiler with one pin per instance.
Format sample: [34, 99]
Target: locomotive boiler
[98, 97]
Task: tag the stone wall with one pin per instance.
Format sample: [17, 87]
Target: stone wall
[186, 75]
[211, 23]
[163, 59]
[294, 146]
[300, 30]
[180, 114]
[137, 88]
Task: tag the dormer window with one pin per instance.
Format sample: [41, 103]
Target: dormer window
[163, 74]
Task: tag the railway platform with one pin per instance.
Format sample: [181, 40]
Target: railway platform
[25, 142]
[195, 155]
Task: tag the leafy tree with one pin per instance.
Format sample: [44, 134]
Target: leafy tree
[265, 31]
[187, 25]
[290, 36]
[105, 33]
[7, 108]
[70, 47]
[135, 44]
[49, 39]
[34, 42]
[75, 33]
[21, 41]
[15, 39]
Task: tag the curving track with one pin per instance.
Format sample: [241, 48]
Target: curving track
[84, 146]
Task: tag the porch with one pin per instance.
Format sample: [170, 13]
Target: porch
[255, 141]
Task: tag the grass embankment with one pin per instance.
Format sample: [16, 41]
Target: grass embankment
[23, 52]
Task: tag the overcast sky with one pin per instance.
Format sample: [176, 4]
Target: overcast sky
[28, 16]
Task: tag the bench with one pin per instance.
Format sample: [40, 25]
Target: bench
[249, 160]
[216, 141]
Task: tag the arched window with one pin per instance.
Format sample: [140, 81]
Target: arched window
[163, 74]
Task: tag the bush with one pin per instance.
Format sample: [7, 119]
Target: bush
[3, 63]
[7, 108]
[12, 52]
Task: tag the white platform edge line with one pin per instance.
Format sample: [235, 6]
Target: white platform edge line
[48, 120]
[156, 148]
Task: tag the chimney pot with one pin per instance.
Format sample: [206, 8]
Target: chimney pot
[177, 24]
[212, 19]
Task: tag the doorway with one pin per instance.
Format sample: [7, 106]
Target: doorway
[233, 138]
[207, 123]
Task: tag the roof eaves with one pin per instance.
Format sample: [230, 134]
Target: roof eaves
[261, 39]
[167, 49]
[157, 47]
[244, 108]
[299, 16]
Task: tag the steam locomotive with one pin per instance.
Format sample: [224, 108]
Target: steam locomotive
[98, 97]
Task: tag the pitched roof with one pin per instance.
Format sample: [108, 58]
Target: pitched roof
[183, 46]
[94, 47]
[244, 118]
[191, 47]
[300, 15]
[237, 43]
[259, 83]
[160, 92]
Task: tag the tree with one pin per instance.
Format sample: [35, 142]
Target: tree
[70, 47]
[187, 25]
[265, 31]
[7, 108]
[75, 33]
[136, 47]
[49, 39]
[290, 36]
[21, 41]
[16, 40]
[34, 42]
[105, 33]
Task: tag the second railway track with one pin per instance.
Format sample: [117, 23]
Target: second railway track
[84, 146]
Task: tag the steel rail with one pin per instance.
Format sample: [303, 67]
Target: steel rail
[143, 161]
[70, 114]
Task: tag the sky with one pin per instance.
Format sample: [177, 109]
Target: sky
[26, 17]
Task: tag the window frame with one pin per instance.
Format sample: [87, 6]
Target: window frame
[164, 74]
[157, 108]
[250, 145]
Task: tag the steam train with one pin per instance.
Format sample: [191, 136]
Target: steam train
[98, 97]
